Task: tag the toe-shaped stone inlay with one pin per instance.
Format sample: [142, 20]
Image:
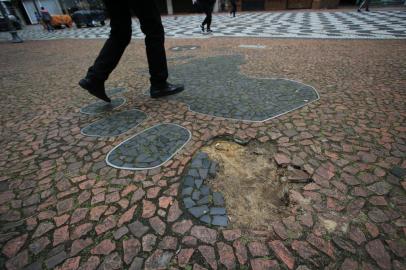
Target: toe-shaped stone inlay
[198, 198]
[115, 91]
[115, 124]
[149, 149]
[103, 107]
[216, 87]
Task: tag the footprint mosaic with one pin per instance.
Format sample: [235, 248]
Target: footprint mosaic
[215, 86]
[103, 107]
[115, 91]
[115, 124]
[199, 200]
[149, 149]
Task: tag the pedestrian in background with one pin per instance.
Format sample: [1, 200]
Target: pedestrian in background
[207, 7]
[223, 5]
[46, 18]
[233, 7]
[365, 4]
[120, 36]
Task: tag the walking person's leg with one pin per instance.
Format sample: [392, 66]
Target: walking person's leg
[367, 2]
[361, 5]
[51, 28]
[206, 20]
[151, 25]
[113, 49]
[48, 26]
[209, 17]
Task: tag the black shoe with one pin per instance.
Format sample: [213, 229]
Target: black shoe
[167, 90]
[202, 27]
[95, 88]
[209, 30]
[367, 10]
[359, 10]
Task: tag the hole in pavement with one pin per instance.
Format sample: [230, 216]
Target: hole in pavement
[256, 190]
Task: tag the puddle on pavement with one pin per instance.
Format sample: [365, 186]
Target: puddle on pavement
[255, 189]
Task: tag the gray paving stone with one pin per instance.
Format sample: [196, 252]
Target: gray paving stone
[187, 191]
[189, 181]
[34, 266]
[196, 195]
[217, 211]
[199, 211]
[206, 219]
[56, 259]
[138, 229]
[111, 262]
[204, 190]
[188, 202]
[136, 264]
[213, 169]
[218, 199]
[198, 183]
[204, 200]
[220, 221]
[120, 232]
[398, 172]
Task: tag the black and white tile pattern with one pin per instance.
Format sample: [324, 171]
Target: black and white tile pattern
[330, 25]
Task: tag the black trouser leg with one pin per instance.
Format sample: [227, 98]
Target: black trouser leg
[367, 4]
[207, 20]
[120, 37]
[151, 25]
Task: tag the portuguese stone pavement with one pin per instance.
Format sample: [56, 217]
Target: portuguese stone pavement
[378, 24]
[86, 185]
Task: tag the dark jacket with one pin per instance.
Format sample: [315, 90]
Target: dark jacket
[45, 16]
[206, 5]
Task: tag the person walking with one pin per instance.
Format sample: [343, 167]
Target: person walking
[365, 4]
[120, 36]
[207, 7]
[233, 7]
[46, 18]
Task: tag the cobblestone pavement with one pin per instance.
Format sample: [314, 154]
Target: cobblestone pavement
[384, 24]
[63, 207]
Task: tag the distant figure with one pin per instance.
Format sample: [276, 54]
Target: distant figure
[365, 4]
[46, 18]
[120, 36]
[207, 7]
[233, 7]
[223, 5]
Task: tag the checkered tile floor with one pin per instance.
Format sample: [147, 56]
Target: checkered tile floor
[333, 25]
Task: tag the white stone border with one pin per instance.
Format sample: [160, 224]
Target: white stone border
[147, 168]
[124, 102]
[100, 120]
